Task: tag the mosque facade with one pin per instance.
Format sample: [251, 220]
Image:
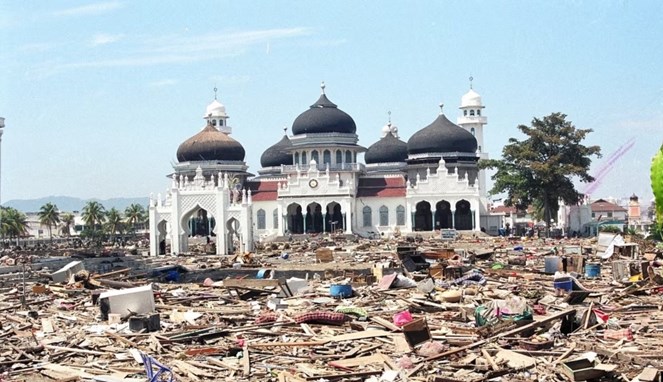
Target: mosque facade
[313, 181]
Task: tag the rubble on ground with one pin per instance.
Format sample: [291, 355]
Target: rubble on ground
[341, 309]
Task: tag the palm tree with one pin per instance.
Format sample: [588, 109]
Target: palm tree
[13, 223]
[113, 222]
[67, 220]
[93, 214]
[135, 214]
[50, 217]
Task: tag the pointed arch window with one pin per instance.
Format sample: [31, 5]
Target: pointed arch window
[315, 156]
[348, 157]
[296, 158]
[400, 215]
[304, 161]
[326, 157]
[465, 113]
[473, 131]
[479, 112]
[339, 157]
[261, 219]
[367, 215]
[471, 113]
[275, 218]
[384, 216]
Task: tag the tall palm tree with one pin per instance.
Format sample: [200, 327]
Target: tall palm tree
[50, 217]
[67, 220]
[93, 214]
[113, 222]
[14, 223]
[135, 214]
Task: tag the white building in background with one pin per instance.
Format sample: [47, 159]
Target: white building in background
[311, 182]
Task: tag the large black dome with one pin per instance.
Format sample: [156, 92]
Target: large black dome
[323, 117]
[208, 145]
[441, 136]
[277, 154]
[388, 149]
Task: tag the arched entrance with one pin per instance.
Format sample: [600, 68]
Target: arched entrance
[200, 223]
[334, 218]
[295, 219]
[423, 218]
[233, 238]
[314, 221]
[162, 231]
[443, 215]
[463, 216]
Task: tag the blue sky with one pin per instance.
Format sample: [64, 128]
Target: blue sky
[97, 96]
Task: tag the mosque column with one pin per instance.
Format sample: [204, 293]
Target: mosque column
[154, 234]
[453, 219]
[304, 222]
[346, 209]
[474, 226]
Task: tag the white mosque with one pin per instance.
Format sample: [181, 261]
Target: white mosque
[312, 181]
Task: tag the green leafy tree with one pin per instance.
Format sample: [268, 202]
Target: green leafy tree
[49, 216]
[66, 221]
[135, 214]
[113, 222]
[656, 174]
[13, 223]
[541, 168]
[94, 214]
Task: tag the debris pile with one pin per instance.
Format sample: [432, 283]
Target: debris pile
[472, 309]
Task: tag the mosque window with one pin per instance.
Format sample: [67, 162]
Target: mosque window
[315, 156]
[384, 216]
[275, 218]
[465, 113]
[339, 157]
[304, 161]
[326, 157]
[479, 112]
[348, 157]
[473, 131]
[367, 216]
[471, 113]
[400, 215]
[214, 122]
[261, 219]
[296, 158]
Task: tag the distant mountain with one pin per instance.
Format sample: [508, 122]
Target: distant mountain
[68, 203]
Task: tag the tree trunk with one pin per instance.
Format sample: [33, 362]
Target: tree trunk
[546, 213]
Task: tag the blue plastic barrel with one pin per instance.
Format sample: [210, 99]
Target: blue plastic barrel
[564, 283]
[592, 270]
[340, 291]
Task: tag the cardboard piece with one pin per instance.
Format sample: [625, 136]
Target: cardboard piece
[139, 300]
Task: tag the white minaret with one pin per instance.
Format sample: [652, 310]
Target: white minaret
[473, 120]
[216, 114]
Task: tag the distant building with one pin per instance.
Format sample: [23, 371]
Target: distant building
[605, 210]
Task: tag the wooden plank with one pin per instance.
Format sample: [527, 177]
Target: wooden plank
[250, 283]
[246, 362]
[521, 329]
[387, 324]
[490, 359]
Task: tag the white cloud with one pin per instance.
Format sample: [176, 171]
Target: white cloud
[172, 49]
[90, 9]
[104, 38]
[164, 82]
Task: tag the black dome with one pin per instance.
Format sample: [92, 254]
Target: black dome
[441, 136]
[277, 154]
[323, 117]
[208, 145]
[388, 149]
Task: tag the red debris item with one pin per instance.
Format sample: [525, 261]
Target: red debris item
[322, 318]
[267, 317]
[601, 315]
[402, 318]
[539, 309]
[622, 334]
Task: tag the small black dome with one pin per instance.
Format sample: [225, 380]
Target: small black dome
[208, 145]
[441, 136]
[277, 154]
[323, 117]
[388, 149]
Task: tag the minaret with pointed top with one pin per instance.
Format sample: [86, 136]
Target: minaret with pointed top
[473, 120]
[216, 115]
